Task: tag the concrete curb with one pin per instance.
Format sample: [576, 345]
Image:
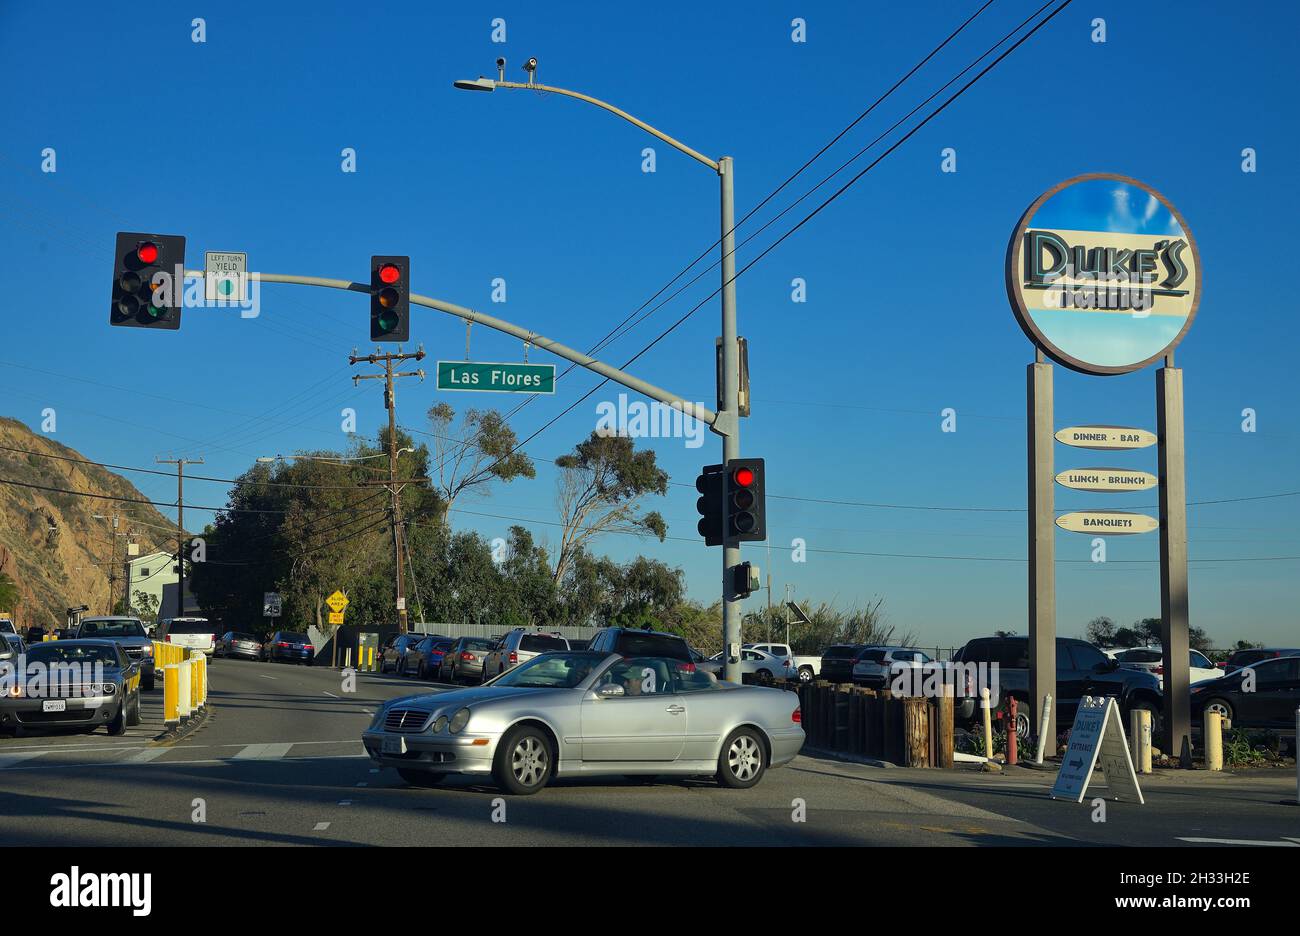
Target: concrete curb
[184, 729]
[846, 758]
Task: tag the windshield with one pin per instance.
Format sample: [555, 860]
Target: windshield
[112, 629]
[541, 643]
[66, 652]
[552, 671]
[191, 627]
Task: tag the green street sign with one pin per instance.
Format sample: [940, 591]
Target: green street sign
[496, 378]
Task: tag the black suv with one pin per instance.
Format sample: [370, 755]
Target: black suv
[838, 660]
[1081, 670]
[640, 643]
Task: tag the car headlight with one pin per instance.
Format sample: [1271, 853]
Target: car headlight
[148, 650]
[109, 688]
[458, 721]
[440, 723]
[379, 717]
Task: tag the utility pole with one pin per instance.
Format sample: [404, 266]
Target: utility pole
[180, 464]
[394, 488]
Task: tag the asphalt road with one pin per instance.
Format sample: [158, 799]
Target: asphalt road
[280, 762]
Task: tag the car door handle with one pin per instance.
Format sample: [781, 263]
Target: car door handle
[676, 709]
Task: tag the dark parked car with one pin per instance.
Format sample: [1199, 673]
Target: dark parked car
[425, 657]
[1255, 654]
[130, 633]
[463, 661]
[238, 644]
[641, 643]
[290, 647]
[1081, 670]
[1271, 703]
[395, 649]
[98, 684]
[837, 662]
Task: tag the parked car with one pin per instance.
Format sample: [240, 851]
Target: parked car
[1271, 703]
[7, 626]
[627, 642]
[289, 647]
[838, 660]
[519, 646]
[1251, 655]
[582, 713]
[805, 667]
[393, 656]
[1081, 670]
[763, 667]
[238, 644]
[423, 659]
[130, 633]
[463, 661]
[875, 666]
[193, 633]
[101, 686]
[1152, 659]
[11, 645]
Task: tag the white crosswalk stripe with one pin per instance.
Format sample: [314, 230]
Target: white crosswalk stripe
[9, 760]
[263, 751]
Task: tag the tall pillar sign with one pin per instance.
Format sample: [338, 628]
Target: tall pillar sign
[1104, 277]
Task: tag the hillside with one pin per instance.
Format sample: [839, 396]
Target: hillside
[50, 543]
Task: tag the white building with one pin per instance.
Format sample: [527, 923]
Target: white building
[155, 574]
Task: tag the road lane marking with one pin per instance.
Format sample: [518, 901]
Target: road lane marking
[8, 760]
[147, 755]
[330, 694]
[264, 676]
[263, 751]
[345, 802]
[320, 827]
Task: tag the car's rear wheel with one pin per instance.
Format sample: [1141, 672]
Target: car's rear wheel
[1222, 706]
[420, 778]
[523, 764]
[742, 761]
[764, 677]
[806, 674]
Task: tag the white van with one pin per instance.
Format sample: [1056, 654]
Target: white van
[193, 633]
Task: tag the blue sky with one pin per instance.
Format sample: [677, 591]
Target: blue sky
[236, 143]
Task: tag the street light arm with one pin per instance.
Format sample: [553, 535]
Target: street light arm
[695, 410]
[618, 112]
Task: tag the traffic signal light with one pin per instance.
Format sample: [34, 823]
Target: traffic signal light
[148, 280]
[711, 485]
[390, 298]
[745, 501]
[746, 579]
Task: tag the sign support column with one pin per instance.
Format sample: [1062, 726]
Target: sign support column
[1173, 561]
[1042, 545]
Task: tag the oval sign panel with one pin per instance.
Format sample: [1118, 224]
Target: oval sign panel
[1106, 479]
[1103, 274]
[1108, 522]
[1109, 438]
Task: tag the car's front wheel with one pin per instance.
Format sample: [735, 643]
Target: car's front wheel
[1222, 706]
[523, 764]
[117, 727]
[742, 761]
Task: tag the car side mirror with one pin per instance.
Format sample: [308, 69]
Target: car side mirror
[1108, 665]
[610, 691]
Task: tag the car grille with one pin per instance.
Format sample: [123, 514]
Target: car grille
[405, 720]
[31, 718]
[134, 651]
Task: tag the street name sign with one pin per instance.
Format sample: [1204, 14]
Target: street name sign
[337, 602]
[1110, 522]
[1097, 736]
[1106, 479]
[496, 377]
[1107, 438]
[224, 276]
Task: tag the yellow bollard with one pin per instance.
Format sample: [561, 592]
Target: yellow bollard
[171, 694]
[1213, 728]
[1140, 729]
[988, 723]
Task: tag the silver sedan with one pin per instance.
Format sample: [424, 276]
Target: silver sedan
[576, 713]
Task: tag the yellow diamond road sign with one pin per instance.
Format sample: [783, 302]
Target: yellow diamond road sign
[337, 601]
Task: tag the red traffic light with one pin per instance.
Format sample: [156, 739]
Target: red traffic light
[743, 476]
[147, 252]
[389, 273]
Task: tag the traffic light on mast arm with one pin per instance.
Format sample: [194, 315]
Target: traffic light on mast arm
[390, 298]
[711, 485]
[148, 280]
[746, 502]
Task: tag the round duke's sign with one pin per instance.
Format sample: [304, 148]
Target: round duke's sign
[1103, 274]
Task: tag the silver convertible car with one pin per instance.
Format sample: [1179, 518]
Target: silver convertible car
[578, 713]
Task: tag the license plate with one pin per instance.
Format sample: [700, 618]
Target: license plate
[54, 705]
[394, 746]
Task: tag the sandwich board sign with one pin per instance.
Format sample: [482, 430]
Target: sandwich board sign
[1097, 735]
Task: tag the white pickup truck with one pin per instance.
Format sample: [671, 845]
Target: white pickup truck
[806, 666]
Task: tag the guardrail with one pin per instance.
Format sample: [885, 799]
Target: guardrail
[185, 681]
[909, 731]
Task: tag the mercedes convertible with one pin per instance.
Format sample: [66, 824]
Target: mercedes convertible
[578, 713]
